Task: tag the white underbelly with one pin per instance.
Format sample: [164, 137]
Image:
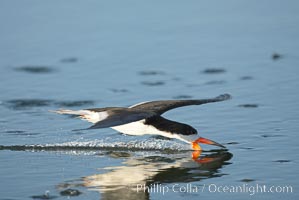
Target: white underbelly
[139, 128]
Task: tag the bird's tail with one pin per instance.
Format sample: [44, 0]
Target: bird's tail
[87, 115]
[69, 112]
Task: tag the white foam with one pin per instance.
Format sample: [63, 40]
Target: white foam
[146, 144]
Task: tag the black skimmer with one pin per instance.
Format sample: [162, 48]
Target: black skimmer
[145, 118]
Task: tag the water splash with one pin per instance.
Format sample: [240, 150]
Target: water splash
[110, 143]
[99, 146]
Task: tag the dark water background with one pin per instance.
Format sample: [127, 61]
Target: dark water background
[78, 54]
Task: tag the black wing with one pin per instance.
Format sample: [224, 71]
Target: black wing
[159, 107]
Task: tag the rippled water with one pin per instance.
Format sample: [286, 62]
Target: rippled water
[82, 54]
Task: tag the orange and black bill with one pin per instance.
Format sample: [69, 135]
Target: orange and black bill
[206, 141]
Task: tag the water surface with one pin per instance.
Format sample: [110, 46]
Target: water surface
[83, 54]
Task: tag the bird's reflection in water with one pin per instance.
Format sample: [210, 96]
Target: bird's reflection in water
[123, 181]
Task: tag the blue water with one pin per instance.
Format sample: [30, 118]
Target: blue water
[82, 54]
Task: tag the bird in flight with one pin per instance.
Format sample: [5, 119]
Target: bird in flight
[145, 118]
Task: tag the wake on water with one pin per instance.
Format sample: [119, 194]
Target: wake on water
[107, 144]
